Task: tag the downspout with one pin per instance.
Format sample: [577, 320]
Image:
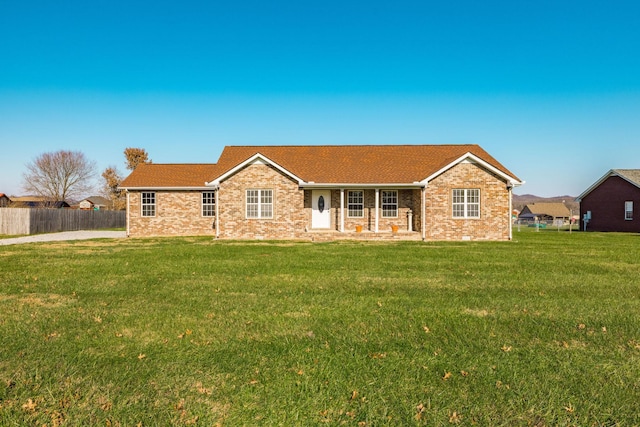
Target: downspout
[377, 203]
[342, 210]
[424, 212]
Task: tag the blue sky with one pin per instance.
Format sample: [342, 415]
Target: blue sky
[549, 88]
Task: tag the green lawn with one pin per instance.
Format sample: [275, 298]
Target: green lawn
[540, 331]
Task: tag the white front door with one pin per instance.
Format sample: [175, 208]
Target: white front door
[320, 209]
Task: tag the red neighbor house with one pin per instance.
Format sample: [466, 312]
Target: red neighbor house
[612, 202]
[428, 192]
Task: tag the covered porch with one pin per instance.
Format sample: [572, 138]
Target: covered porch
[366, 212]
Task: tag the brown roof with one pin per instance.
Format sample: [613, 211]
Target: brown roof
[155, 175]
[556, 210]
[325, 164]
[364, 164]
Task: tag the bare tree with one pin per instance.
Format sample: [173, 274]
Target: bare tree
[59, 175]
[135, 156]
[112, 179]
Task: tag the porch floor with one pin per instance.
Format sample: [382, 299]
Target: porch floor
[329, 235]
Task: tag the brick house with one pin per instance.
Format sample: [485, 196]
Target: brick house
[94, 203]
[545, 211]
[611, 203]
[427, 192]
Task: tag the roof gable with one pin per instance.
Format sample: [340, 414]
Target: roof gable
[257, 158]
[470, 157]
[630, 175]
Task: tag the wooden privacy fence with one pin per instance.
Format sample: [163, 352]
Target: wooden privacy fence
[34, 221]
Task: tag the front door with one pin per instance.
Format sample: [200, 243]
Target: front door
[320, 209]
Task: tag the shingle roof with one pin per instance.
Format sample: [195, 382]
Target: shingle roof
[157, 175]
[362, 164]
[97, 200]
[631, 175]
[556, 210]
[327, 164]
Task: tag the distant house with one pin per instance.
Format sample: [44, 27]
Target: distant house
[94, 203]
[4, 200]
[428, 192]
[612, 202]
[545, 212]
[37, 202]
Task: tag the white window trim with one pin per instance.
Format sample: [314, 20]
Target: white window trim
[361, 204]
[143, 204]
[382, 203]
[212, 196]
[628, 210]
[466, 203]
[259, 204]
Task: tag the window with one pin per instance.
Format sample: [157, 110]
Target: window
[259, 203]
[389, 204]
[148, 204]
[355, 204]
[628, 211]
[466, 203]
[209, 203]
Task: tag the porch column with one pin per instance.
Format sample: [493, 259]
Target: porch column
[510, 188]
[128, 214]
[217, 219]
[423, 202]
[342, 210]
[377, 205]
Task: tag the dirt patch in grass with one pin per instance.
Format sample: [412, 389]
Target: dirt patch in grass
[477, 312]
[39, 300]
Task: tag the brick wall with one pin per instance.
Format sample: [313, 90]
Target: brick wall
[290, 216]
[606, 203]
[177, 213]
[493, 223]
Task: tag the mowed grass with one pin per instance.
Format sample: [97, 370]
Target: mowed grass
[540, 331]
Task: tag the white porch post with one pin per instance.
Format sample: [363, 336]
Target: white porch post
[342, 210]
[217, 193]
[424, 212]
[129, 214]
[510, 188]
[377, 205]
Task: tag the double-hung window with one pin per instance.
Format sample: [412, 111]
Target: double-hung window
[628, 210]
[466, 203]
[389, 204]
[355, 203]
[259, 203]
[148, 204]
[208, 203]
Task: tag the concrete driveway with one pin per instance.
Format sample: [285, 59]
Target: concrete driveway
[65, 235]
